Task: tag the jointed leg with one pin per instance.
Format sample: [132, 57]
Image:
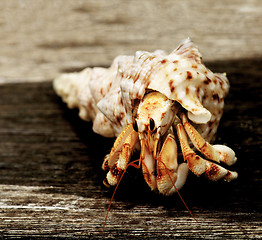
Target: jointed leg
[214, 152]
[113, 156]
[120, 155]
[197, 164]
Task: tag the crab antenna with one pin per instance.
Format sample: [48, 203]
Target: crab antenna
[178, 191]
[111, 200]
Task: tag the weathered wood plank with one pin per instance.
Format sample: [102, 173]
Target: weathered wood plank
[51, 177]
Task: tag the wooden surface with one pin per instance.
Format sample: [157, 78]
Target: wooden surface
[51, 177]
[50, 161]
[40, 39]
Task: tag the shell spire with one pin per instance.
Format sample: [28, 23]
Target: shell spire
[188, 49]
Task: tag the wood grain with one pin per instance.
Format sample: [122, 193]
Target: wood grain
[51, 177]
[40, 39]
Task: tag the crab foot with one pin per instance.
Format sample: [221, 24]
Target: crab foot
[197, 164]
[117, 161]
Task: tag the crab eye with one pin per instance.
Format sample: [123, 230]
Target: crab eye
[135, 127]
[151, 124]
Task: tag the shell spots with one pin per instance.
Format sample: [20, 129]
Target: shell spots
[136, 77]
[140, 57]
[187, 90]
[194, 66]
[216, 97]
[179, 47]
[207, 81]
[189, 75]
[171, 86]
[198, 92]
[163, 61]
[221, 84]
[119, 118]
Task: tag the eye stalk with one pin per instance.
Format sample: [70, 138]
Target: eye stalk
[151, 124]
[135, 127]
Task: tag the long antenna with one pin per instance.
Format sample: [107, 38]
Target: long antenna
[178, 191]
[138, 166]
[111, 200]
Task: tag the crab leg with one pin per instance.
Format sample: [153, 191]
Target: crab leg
[218, 153]
[167, 167]
[119, 156]
[112, 157]
[197, 164]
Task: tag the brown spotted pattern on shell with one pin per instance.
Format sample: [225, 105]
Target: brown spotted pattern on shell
[107, 96]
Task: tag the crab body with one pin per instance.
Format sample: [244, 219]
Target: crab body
[160, 105]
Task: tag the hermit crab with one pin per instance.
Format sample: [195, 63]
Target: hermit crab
[168, 107]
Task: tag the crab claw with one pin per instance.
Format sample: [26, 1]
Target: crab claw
[197, 164]
[218, 153]
[171, 176]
